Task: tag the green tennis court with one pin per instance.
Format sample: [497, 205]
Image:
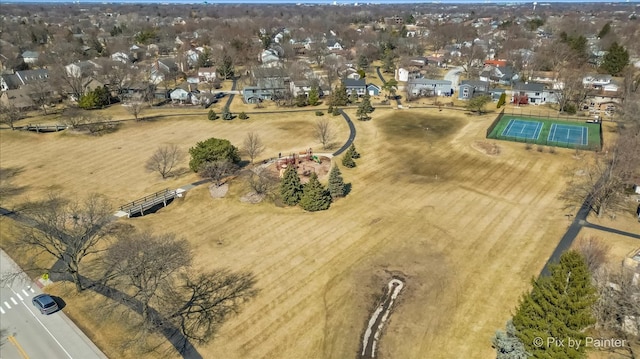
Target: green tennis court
[549, 132]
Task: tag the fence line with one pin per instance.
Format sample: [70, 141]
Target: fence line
[493, 125]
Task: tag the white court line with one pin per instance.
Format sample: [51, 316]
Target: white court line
[7, 305]
[1, 310]
[45, 328]
[15, 302]
[507, 129]
[19, 297]
[25, 292]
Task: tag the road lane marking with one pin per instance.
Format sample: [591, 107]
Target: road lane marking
[19, 297]
[45, 328]
[15, 343]
[1, 310]
[31, 290]
[25, 292]
[7, 305]
[15, 302]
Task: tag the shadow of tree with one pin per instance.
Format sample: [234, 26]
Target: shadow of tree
[172, 333]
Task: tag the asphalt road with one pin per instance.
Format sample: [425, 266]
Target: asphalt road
[27, 334]
[453, 75]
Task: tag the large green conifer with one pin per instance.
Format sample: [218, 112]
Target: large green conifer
[558, 307]
[290, 186]
[315, 197]
[336, 183]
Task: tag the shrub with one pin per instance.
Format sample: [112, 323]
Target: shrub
[319, 113]
[243, 116]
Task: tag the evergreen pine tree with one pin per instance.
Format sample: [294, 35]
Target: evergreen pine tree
[347, 160]
[353, 96]
[290, 186]
[502, 100]
[314, 196]
[354, 154]
[226, 114]
[507, 344]
[314, 96]
[339, 96]
[212, 115]
[559, 306]
[616, 59]
[336, 183]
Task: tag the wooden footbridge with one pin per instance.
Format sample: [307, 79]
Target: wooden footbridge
[43, 128]
[145, 203]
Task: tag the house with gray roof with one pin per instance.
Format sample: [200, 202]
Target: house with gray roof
[472, 88]
[429, 87]
[359, 86]
[20, 78]
[503, 75]
[536, 93]
[30, 57]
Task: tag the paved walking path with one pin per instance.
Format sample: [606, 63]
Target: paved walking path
[578, 223]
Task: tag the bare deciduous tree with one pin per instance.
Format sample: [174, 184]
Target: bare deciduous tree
[262, 181]
[145, 265]
[598, 181]
[253, 145]
[9, 115]
[217, 170]
[594, 251]
[618, 307]
[135, 108]
[164, 159]
[324, 133]
[67, 230]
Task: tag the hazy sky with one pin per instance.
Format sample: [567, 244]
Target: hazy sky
[309, 2]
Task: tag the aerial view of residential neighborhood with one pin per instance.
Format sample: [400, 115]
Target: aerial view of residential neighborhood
[319, 180]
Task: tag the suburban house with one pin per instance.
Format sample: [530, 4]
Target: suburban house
[180, 95]
[405, 74]
[19, 98]
[120, 56]
[207, 74]
[30, 57]
[549, 78]
[602, 102]
[534, 93]
[373, 90]
[359, 86]
[205, 99]
[269, 58]
[596, 81]
[162, 67]
[428, 87]
[472, 88]
[266, 90]
[20, 78]
[333, 45]
[301, 87]
[503, 75]
[81, 68]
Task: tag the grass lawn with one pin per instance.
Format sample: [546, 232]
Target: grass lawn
[466, 230]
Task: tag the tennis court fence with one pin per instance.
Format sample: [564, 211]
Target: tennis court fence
[546, 142]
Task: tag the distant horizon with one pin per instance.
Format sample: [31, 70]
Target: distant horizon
[317, 2]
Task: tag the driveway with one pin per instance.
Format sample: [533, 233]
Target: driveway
[453, 75]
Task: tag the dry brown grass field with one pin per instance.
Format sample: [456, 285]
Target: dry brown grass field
[466, 230]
